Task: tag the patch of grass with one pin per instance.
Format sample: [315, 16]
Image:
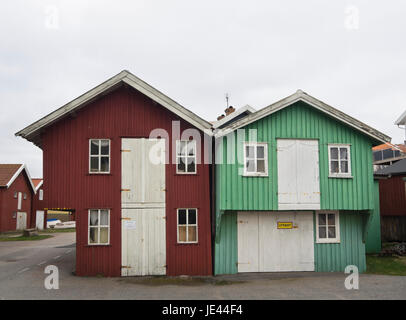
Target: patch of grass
[177, 281]
[22, 238]
[52, 230]
[393, 266]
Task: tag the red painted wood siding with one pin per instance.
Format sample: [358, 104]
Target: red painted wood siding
[121, 113]
[8, 204]
[392, 196]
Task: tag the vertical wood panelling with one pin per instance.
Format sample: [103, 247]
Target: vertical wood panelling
[226, 246]
[393, 196]
[121, 113]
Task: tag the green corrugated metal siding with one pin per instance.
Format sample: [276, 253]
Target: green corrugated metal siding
[350, 251]
[299, 121]
[373, 241]
[226, 247]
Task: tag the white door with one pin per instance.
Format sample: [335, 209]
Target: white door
[298, 174]
[21, 221]
[39, 220]
[264, 245]
[143, 207]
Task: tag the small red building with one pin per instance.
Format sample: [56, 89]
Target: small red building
[128, 161]
[16, 193]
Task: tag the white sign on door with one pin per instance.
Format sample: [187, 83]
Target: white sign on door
[129, 225]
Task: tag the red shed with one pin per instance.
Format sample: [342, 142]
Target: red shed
[128, 161]
[392, 197]
[16, 192]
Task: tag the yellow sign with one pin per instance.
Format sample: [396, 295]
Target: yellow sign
[285, 225]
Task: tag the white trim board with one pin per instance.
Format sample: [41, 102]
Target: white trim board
[17, 173]
[299, 95]
[31, 132]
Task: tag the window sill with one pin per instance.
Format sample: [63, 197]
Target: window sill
[187, 174]
[186, 243]
[97, 245]
[99, 174]
[255, 175]
[328, 241]
[343, 176]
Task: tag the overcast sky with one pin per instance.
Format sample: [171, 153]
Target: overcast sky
[349, 54]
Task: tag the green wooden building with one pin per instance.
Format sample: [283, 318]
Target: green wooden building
[295, 189]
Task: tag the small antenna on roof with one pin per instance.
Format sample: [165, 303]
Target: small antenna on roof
[227, 97]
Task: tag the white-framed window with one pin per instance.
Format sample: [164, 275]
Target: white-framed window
[256, 159]
[339, 160]
[328, 227]
[99, 156]
[187, 225]
[15, 194]
[99, 227]
[41, 194]
[25, 196]
[186, 156]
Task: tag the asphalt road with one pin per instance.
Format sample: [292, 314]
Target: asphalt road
[22, 276]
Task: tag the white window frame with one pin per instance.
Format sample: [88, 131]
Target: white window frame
[20, 199]
[339, 174]
[337, 226]
[99, 156]
[187, 225]
[255, 145]
[41, 194]
[98, 227]
[186, 156]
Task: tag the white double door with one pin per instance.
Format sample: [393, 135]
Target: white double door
[262, 247]
[21, 221]
[298, 174]
[143, 207]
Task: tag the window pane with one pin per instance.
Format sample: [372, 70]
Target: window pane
[94, 164]
[192, 236]
[182, 217]
[181, 165]
[331, 219]
[104, 235]
[191, 148]
[260, 152]
[250, 165]
[192, 216]
[322, 219]
[334, 166]
[104, 218]
[93, 234]
[94, 147]
[94, 217]
[344, 166]
[322, 232]
[261, 166]
[105, 144]
[182, 234]
[181, 148]
[191, 166]
[249, 151]
[343, 153]
[334, 153]
[104, 163]
[331, 232]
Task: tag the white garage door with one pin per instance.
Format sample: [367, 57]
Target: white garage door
[143, 207]
[275, 241]
[298, 174]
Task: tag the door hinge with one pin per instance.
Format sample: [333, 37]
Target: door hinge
[125, 190]
[125, 218]
[164, 189]
[126, 267]
[124, 150]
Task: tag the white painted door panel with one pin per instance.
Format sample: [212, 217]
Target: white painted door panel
[247, 223]
[143, 207]
[298, 174]
[21, 221]
[262, 247]
[39, 220]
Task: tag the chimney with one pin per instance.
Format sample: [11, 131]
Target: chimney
[220, 117]
[229, 110]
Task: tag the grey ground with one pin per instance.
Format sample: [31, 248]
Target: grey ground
[22, 276]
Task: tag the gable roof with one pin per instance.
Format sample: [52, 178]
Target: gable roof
[401, 120]
[32, 132]
[299, 95]
[397, 168]
[246, 109]
[37, 182]
[10, 172]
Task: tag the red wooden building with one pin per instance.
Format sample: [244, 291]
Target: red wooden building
[16, 193]
[392, 197]
[125, 159]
